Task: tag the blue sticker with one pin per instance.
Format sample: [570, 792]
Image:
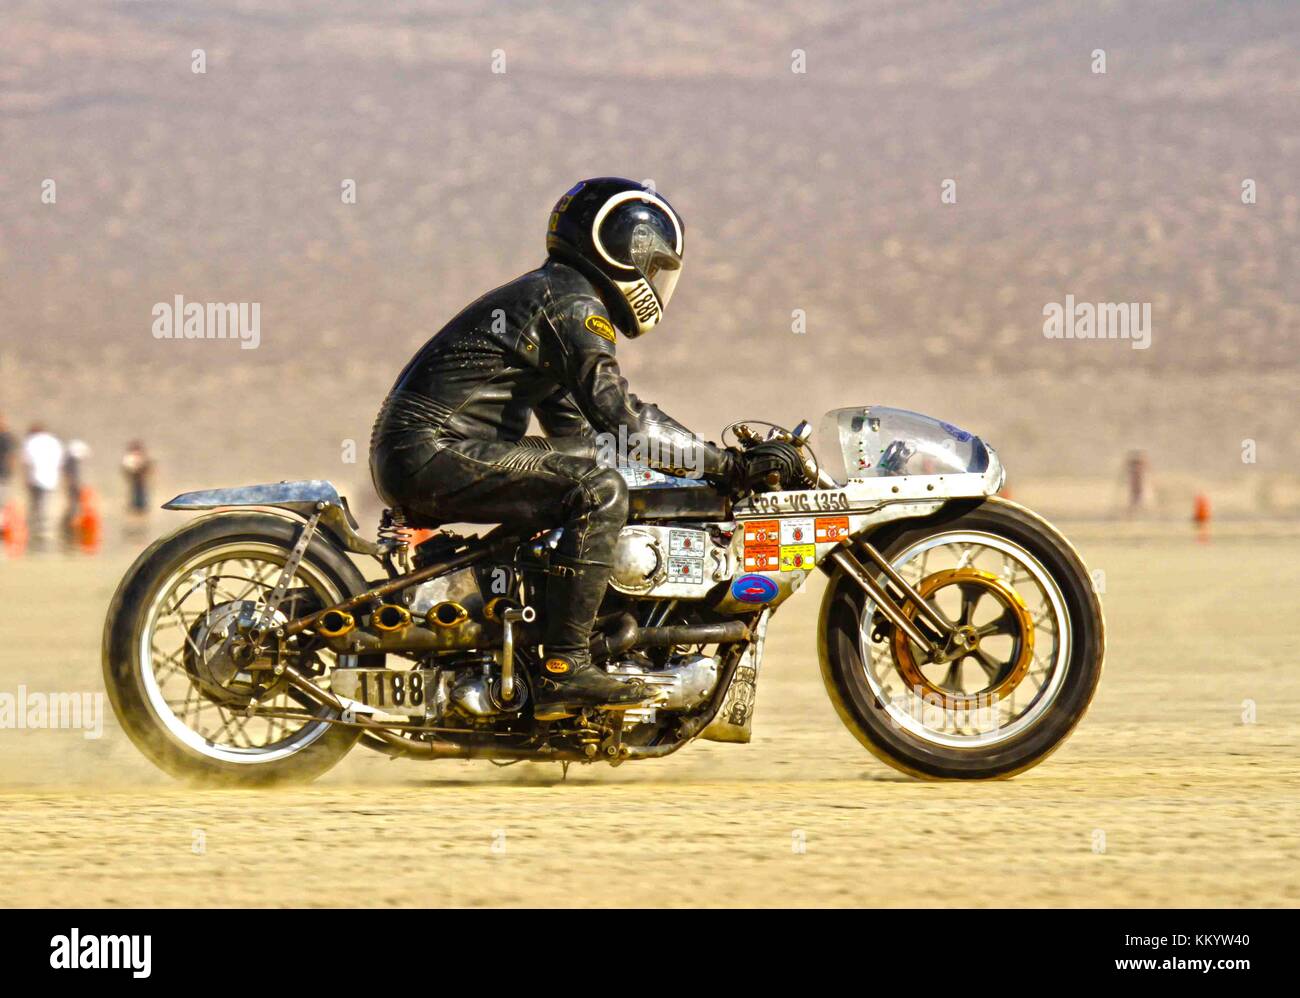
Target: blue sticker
[960, 434]
[754, 589]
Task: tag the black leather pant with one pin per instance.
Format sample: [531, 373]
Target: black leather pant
[534, 483]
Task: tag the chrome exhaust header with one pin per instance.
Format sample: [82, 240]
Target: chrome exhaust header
[389, 617]
[448, 613]
[335, 624]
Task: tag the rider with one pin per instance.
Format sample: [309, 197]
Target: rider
[449, 442]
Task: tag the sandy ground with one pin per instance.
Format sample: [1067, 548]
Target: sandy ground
[1162, 797]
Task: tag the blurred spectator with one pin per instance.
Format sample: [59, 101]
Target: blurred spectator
[43, 459]
[8, 451]
[74, 459]
[137, 466]
[1138, 489]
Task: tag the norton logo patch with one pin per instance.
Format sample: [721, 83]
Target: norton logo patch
[557, 666]
[601, 326]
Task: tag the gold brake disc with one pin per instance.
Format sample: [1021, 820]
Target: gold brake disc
[1019, 627]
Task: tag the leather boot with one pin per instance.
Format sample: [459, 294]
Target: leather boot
[569, 681]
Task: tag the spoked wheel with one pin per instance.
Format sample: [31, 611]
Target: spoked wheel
[180, 669]
[1016, 676]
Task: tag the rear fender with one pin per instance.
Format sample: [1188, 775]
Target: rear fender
[303, 499]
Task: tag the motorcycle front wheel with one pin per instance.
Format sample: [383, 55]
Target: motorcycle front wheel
[1005, 700]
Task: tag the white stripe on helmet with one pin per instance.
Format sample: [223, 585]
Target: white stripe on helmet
[621, 198]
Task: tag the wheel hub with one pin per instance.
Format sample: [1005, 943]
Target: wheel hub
[220, 656]
[1014, 621]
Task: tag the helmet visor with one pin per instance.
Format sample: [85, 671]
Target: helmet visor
[657, 261]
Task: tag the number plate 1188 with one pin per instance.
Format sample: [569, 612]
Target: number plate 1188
[391, 690]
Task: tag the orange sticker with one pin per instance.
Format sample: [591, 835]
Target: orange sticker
[762, 532]
[763, 559]
[832, 529]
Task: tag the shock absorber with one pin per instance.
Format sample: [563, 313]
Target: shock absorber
[396, 536]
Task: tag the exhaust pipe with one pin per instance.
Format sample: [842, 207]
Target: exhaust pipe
[335, 624]
[448, 613]
[617, 640]
[390, 617]
[450, 628]
[446, 627]
[627, 635]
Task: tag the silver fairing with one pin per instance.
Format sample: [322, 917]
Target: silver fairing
[875, 441]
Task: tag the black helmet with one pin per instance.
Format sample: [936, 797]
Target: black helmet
[627, 239]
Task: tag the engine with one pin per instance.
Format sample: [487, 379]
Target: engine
[684, 684]
[669, 562]
[455, 627]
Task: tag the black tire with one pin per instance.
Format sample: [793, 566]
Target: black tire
[127, 615]
[863, 713]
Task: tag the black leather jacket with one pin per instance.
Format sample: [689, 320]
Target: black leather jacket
[544, 344]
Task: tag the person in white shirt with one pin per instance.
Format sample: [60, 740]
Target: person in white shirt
[43, 461]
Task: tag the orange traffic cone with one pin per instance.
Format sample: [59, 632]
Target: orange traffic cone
[13, 528]
[1201, 516]
[89, 526]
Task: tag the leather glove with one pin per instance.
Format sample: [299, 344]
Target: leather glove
[773, 464]
[730, 467]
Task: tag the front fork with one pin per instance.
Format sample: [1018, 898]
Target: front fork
[893, 604]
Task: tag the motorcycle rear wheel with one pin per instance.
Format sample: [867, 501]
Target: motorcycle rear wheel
[925, 719]
[148, 664]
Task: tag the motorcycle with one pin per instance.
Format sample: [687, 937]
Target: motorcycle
[959, 635]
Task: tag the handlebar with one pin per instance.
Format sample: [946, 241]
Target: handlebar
[800, 437]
